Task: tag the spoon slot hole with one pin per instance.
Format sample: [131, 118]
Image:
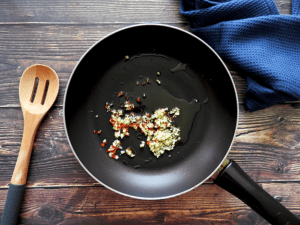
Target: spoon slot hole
[45, 92]
[36, 83]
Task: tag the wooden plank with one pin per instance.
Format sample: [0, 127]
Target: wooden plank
[52, 162]
[266, 147]
[284, 6]
[59, 191]
[268, 142]
[207, 204]
[94, 11]
[48, 42]
[58, 46]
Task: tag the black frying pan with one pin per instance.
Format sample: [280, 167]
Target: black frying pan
[194, 78]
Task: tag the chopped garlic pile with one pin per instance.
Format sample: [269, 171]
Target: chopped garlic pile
[161, 134]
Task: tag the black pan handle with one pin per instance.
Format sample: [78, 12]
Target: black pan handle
[234, 180]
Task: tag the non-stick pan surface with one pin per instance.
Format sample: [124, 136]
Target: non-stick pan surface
[192, 77]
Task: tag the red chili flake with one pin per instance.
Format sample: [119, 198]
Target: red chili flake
[112, 148]
[99, 132]
[126, 98]
[143, 83]
[121, 93]
[138, 99]
[103, 144]
[94, 132]
[112, 120]
[148, 80]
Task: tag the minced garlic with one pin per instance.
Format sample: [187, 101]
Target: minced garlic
[142, 145]
[113, 149]
[128, 106]
[129, 151]
[161, 133]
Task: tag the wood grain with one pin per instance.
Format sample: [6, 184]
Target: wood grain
[207, 204]
[57, 33]
[57, 46]
[86, 12]
[93, 11]
[52, 162]
[266, 147]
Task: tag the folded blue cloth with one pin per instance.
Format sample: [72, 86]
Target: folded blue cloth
[254, 37]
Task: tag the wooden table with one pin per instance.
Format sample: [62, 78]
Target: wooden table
[56, 33]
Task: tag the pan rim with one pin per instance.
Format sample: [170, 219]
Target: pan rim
[64, 110]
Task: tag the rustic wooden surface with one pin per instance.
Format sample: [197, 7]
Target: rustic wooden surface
[59, 191]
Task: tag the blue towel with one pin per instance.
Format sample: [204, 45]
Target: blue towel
[254, 37]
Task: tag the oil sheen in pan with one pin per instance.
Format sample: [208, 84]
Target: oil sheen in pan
[158, 97]
[131, 75]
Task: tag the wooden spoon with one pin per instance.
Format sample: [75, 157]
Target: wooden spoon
[37, 91]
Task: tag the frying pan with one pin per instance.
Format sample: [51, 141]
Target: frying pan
[190, 76]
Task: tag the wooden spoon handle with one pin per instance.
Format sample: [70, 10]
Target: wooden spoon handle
[18, 181]
[31, 123]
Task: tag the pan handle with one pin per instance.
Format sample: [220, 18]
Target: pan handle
[234, 180]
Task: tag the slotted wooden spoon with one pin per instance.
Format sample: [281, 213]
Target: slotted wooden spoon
[37, 91]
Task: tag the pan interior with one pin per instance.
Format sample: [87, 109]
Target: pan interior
[188, 70]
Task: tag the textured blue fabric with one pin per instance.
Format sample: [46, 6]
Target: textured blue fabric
[254, 37]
